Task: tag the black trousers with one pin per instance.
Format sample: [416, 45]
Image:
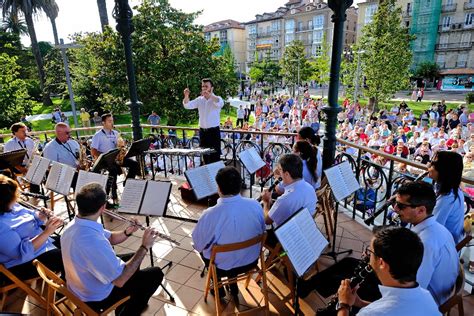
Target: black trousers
[211, 138]
[25, 271]
[140, 287]
[232, 273]
[115, 170]
[240, 121]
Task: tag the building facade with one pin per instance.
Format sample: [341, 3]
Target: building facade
[230, 34]
[443, 31]
[306, 20]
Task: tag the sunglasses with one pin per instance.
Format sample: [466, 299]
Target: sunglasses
[402, 206]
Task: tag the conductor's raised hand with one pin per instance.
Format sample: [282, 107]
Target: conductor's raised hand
[186, 92]
[149, 237]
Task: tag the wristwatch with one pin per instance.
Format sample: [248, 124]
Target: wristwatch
[340, 306]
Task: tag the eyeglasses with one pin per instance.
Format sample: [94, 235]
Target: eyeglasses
[368, 251]
[402, 206]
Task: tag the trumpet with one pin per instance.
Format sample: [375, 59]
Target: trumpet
[126, 220]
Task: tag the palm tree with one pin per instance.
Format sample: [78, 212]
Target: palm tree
[51, 9]
[104, 18]
[14, 25]
[29, 8]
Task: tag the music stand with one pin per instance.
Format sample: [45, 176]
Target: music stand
[251, 161]
[105, 160]
[11, 159]
[138, 148]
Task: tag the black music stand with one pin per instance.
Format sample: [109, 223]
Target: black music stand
[105, 160]
[252, 162]
[138, 148]
[11, 159]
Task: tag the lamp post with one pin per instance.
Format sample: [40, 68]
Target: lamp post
[339, 8]
[123, 15]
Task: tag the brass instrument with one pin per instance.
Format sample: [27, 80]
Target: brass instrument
[121, 144]
[84, 163]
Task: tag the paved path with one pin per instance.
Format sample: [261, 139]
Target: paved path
[46, 116]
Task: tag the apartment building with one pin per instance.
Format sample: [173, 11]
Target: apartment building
[230, 34]
[306, 20]
[443, 31]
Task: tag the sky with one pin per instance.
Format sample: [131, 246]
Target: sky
[83, 16]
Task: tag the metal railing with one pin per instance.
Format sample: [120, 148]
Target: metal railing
[449, 7]
[377, 181]
[454, 46]
[468, 5]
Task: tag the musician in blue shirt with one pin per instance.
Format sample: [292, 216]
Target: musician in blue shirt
[446, 170]
[22, 239]
[63, 149]
[233, 219]
[93, 272]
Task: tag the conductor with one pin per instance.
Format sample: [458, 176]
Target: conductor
[209, 106]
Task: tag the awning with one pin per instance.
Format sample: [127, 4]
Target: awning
[458, 71]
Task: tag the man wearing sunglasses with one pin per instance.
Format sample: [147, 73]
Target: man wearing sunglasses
[414, 204]
[63, 149]
[395, 256]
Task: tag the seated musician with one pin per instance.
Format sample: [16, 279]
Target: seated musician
[21, 235]
[233, 219]
[63, 149]
[105, 140]
[298, 194]
[395, 256]
[93, 272]
[20, 141]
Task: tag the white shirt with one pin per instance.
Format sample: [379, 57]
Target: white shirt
[67, 153]
[103, 140]
[16, 144]
[402, 301]
[233, 219]
[209, 112]
[240, 113]
[299, 194]
[440, 265]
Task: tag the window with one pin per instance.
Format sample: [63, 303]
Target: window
[449, 2]
[223, 35]
[289, 38]
[409, 8]
[446, 22]
[275, 26]
[268, 29]
[310, 24]
[318, 22]
[440, 60]
[469, 18]
[466, 39]
[443, 41]
[317, 36]
[462, 60]
[252, 29]
[289, 26]
[207, 36]
[316, 50]
[369, 12]
[300, 26]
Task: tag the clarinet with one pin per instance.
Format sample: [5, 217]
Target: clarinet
[361, 272]
[271, 188]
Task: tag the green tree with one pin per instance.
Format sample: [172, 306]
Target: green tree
[30, 8]
[321, 64]
[266, 70]
[295, 68]
[427, 69]
[14, 101]
[13, 24]
[385, 54]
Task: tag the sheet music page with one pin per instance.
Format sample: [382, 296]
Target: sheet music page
[308, 228]
[89, 177]
[200, 182]
[60, 178]
[132, 196]
[37, 170]
[296, 245]
[212, 170]
[251, 160]
[156, 198]
[349, 177]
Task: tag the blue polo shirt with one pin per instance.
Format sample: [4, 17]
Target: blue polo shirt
[89, 260]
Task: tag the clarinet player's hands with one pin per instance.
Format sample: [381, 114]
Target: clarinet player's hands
[345, 294]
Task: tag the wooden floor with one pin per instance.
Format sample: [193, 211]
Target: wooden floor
[183, 278]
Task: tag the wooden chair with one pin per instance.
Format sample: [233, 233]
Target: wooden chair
[325, 207]
[56, 284]
[212, 273]
[467, 231]
[456, 298]
[17, 283]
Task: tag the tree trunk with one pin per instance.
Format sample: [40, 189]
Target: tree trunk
[104, 18]
[373, 101]
[55, 32]
[38, 58]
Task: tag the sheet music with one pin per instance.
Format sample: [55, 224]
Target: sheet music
[302, 241]
[37, 170]
[202, 179]
[60, 178]
[156, 198]
[251, 160]
[132, 196]
[342, 180]
[89, 177]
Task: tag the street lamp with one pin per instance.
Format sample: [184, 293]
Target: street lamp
[123, 14]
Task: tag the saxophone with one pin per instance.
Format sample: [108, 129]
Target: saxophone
[121, 144]
[84, 163]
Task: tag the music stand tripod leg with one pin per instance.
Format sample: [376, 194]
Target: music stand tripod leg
[333, 254]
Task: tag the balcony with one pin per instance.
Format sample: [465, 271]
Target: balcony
[264, 34]
[449, 7]
[461, 64]
[407, 13]
[452, 27]
[468, 5]
[454, 46]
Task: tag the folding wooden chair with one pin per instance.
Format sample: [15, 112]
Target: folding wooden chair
[325, 207]
[217, 283]
[17, 283]
[56, 284]
[456, 298]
